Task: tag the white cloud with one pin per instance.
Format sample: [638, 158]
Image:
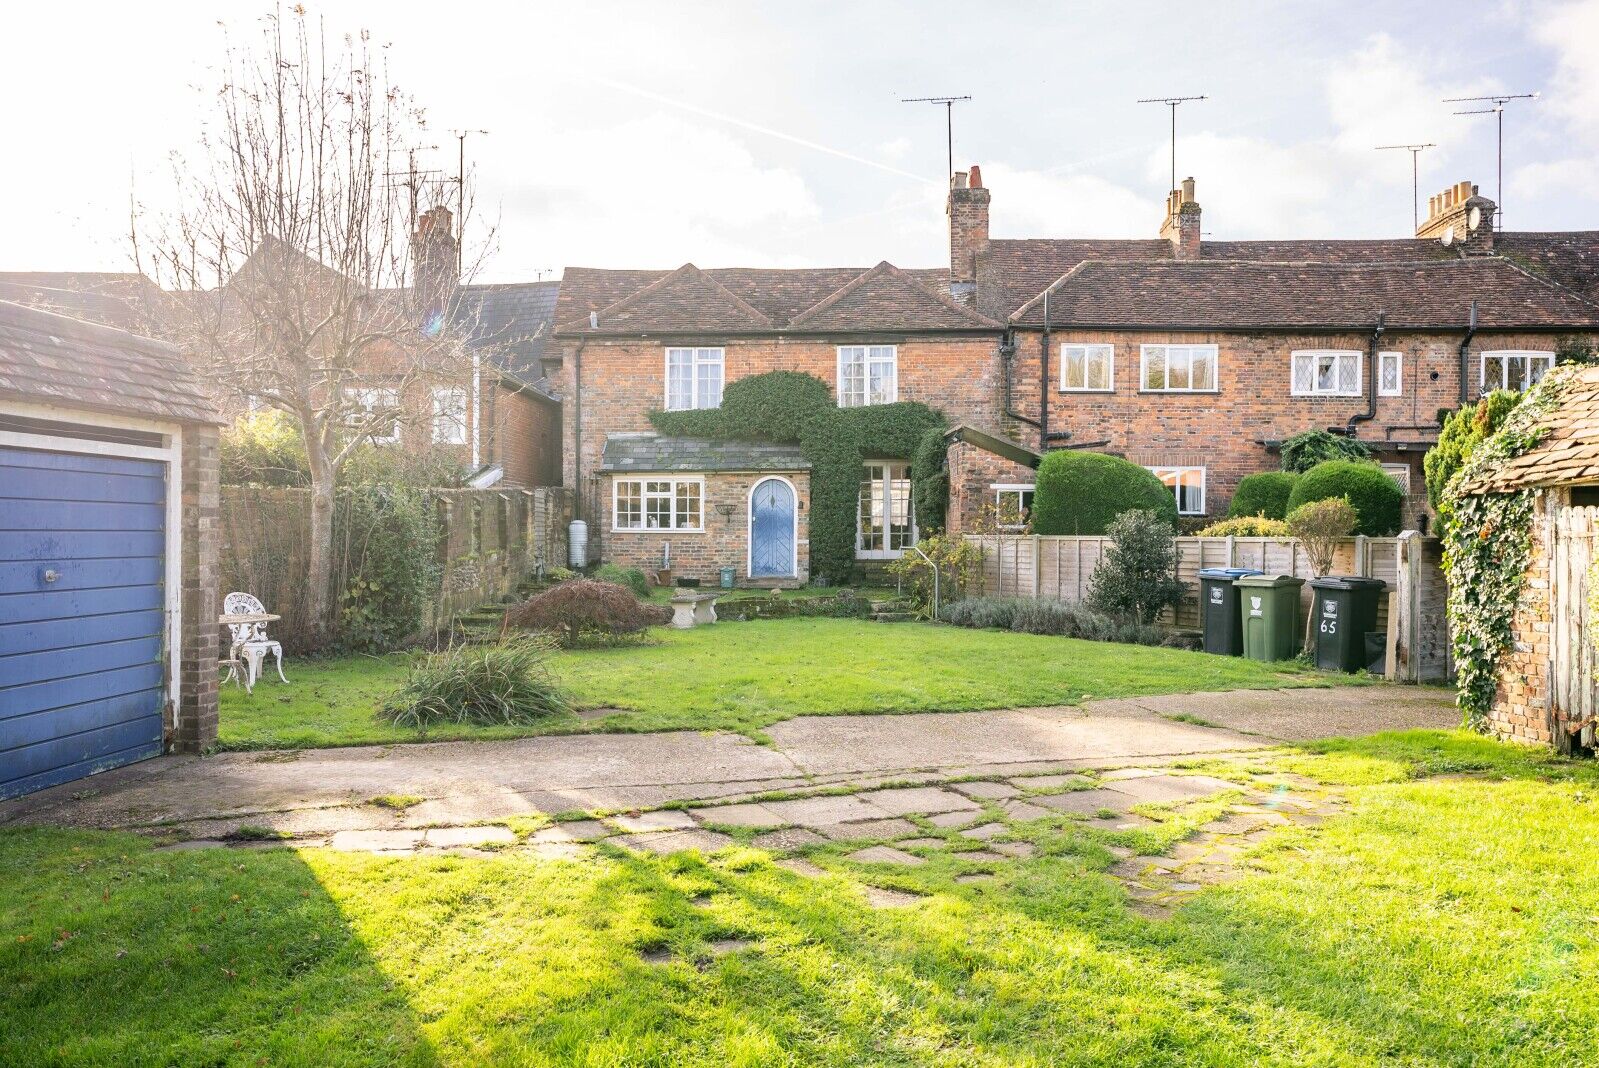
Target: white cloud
[1031, 203]
[1571, 31]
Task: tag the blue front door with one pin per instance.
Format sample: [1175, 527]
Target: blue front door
[82, 611]
[772, 530]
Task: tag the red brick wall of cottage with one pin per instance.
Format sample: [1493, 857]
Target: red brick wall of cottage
[1220, 430]
[1521, 708]
[973, 474]
[526, 437]
[623, 381]
[724, 541]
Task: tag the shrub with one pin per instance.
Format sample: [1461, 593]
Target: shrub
[960, 565]
[1136, 577]
[560, 574]
[486, 685]
[930, 480]
[1320, 526]
[391, 535]
[583, 608]
[1311, 447]
[1463, 430]
[1246, 526]
[1264, 493]
[981, 613]
[265, 449]
[631, 577]
[1027, 615]
[1375, 496]
[1083, 493]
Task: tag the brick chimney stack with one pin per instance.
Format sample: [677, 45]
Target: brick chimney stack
[1181, 227]
[968, 232]
[434, 263]
[1450, 218]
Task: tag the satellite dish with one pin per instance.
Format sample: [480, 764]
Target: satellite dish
[1448, 236]
[1474, 219]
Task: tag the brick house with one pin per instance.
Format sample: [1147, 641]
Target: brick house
[1546, 693]
[108, 551]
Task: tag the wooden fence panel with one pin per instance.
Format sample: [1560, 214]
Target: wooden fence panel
[1575, 531]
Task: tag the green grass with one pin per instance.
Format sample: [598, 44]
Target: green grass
[1446, 921]
[746, 676]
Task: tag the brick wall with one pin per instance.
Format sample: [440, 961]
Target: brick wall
[1521, 707]
[196, 713]
[623, 381]
[526, 439]
[724, 542]
[973, 472]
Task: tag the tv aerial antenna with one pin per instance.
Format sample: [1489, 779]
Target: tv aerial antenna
[1415, 180]
[1172, 102]
[949, 103]
[1498, 102]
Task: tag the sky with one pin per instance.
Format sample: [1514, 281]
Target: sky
[748, 133]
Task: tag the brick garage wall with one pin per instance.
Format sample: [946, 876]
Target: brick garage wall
[1219, 430]
[723, 543]
[1521, 709]
[200, 599]
[526, 439]
[623, 381]
[973, 473]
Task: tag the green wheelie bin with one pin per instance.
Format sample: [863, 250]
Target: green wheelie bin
[1270, 605]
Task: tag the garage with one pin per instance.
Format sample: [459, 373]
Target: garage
[107, 555]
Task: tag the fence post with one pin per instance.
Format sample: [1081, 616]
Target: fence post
[1232, 552]
[1038, 566]
[1404, 611]
[1362, 556]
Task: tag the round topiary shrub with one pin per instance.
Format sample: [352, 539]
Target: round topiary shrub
[1263, 494]
[1376, 497]
[1084, 492]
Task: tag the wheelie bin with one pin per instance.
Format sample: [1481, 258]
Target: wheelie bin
[1346, 612]
[1218, 603]
[1270, 608]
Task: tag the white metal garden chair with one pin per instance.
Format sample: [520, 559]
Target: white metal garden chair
[250, 641]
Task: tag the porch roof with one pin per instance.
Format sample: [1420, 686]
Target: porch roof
[646, 452]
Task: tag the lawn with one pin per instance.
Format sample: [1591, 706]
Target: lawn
[1447, 919]
[744, 676]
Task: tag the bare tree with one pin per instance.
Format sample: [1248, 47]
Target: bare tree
[301, 273]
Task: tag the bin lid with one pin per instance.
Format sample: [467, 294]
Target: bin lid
[1269, 580]
[1347, 582]
[1226, 572]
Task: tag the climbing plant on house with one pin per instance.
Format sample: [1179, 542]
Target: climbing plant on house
[1487, 546]
[791, 407]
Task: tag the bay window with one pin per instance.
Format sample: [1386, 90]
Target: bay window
[884, 526]
[657, 504]
[693, 379]
[867, 374]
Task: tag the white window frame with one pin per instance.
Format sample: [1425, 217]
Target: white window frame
[1001, 489]
[893, 470]
[448, 427]
[869, 354]
[1316, 356]
[645, 495]
[1083, 352]
[1163, 471]
[697, 357]
[1212, 351]
[1502, 358]
[370, 398]
[1398, 360]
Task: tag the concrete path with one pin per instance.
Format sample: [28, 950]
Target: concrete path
[327, 791]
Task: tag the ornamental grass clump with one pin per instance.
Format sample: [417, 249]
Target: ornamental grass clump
[484, 685]
[583, 610]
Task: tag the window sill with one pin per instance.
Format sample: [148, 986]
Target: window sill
[1330, 396]
[879, 554]
[656, 530]
[1180, 392]
[1067, 389]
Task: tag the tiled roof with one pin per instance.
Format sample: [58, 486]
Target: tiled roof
[510, 324]
[653, 453]
[1570, 257]
[125, 301]
[736, 299]
[52, 359]
[1570, 451]
[887, 295]
[1241, 295]
[1012, 272]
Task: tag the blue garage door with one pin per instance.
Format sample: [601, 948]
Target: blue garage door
[82, 570]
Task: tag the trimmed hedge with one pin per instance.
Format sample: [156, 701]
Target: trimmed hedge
[1246, 526]
[1083, 493]
[1263, 494]
[1463, 430]
[1377, 498]
[792, 407]
[930, 481]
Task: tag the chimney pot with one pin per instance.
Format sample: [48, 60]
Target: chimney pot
[976, 179]
[958, 180]
[1188, 190]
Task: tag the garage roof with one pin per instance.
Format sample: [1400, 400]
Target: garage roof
[53, 359]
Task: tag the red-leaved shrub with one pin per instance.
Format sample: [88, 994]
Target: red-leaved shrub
[583, 608]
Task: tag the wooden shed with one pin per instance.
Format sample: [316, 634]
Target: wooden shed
[108, 598]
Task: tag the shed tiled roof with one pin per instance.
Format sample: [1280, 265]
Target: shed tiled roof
[511, 324]
[52, 359]
[739, 299]
[654, 453]
[1569, 453]
[1242, 295]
